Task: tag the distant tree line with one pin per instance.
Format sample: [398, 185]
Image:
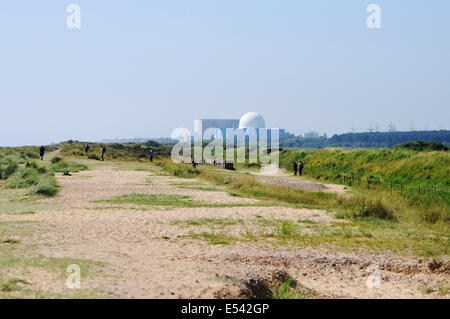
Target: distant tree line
[366, 140]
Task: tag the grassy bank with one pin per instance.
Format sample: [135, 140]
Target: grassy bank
[376, 220]
[115, 151]
[38, 179]
[396, 165]
[20, 170]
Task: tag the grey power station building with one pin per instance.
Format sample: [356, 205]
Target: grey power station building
[250, 120]
[200, 126]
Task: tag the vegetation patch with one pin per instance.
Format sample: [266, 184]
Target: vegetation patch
[65, 167]
[178, 170]
[280, 285]
[9, 241]
[422, 146]
[213, 238]
[173, 200]
[13, 284]
[30, 176]
[207, 222]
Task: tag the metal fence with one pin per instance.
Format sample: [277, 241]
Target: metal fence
[374, 183]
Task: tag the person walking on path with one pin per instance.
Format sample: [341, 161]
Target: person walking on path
[86, 149]
[300, 168]
[294, 166]
[150, 155]
[194, 164]
[41, 152]
[102, 153]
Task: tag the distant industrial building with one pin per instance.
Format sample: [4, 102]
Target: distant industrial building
[200, 126]
[310, 135]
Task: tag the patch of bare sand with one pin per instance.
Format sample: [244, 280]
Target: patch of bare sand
[340, 275]
[302, 184]
[148, 256]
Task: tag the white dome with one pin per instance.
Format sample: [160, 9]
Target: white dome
[252, 120]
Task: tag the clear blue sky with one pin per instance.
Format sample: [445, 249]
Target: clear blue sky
[143, 68]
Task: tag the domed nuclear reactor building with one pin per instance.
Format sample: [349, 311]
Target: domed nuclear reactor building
[247, 122]
[252, 120]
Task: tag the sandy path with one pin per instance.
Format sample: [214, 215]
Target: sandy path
[149, 254]
[281, 178]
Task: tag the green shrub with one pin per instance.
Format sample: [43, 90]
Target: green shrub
[179, 170]
[435, 215]
[42, 170]
[24, 177]
[56, 159]
[31, 164]
[38, 180]
[9, 170]
[45, 186]
[94, 157]
[371, 208]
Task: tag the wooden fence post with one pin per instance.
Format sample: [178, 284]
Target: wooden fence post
[419, 190]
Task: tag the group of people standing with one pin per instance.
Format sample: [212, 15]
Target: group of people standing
[102, 151]
[298, 167]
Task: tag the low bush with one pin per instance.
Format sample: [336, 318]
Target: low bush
[371, 208]
[6, 172]
[38, 179]
[56, 159]
[46, 186]
[179, 170]
[94, 157]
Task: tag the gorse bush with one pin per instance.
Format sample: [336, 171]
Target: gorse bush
[56, 159]
[375, 208]
[94, 157]
[10, 169]
[179, 170]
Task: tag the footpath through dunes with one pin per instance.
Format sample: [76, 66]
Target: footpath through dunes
[164, 237]
[280, 177]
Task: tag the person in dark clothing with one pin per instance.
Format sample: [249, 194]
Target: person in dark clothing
[41, 152]
[86, 149]
[102, 153]
[300, 168]
[150, 155]
[294, 166]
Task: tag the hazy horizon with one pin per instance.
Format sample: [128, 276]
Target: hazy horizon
[144, 68]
